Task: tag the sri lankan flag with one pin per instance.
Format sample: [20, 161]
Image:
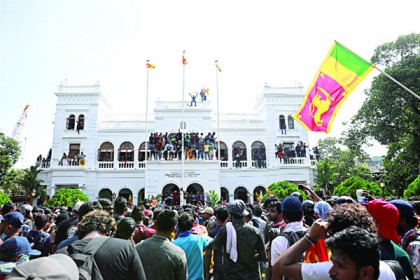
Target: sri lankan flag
[184, 59]
[339, 74]
[150, 65]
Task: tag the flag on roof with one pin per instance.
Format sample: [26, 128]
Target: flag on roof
[150, 65]
[339, 74]
[218, 67]
[184, 59]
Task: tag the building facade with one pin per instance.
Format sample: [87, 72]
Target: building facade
[112, 155]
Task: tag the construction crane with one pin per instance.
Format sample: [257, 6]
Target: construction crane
[20, 123]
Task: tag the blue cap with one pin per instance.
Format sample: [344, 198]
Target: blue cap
[16, 246]
[291, 204]
[404, 207]
[15, 219]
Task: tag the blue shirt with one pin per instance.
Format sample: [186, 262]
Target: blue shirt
[193, 246]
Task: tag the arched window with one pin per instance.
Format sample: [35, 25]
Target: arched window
[81, 122]
[258, 151]
[224, 155]
[70, 122]
[126, 152]
[282, 122]
[291, 122]
[239, 148]
[106, 152]
[142, 151]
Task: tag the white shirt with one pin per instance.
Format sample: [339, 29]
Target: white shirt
[319, 271]
[280, 244]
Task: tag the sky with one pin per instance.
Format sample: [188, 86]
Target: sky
[281, 43]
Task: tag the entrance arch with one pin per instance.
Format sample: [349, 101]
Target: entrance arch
[259, 191]
[195, 188]
[105, 193]
[169, 189]
[224, 194]
[127, 194]
[168, 192]
[140, 196]
[241, 193]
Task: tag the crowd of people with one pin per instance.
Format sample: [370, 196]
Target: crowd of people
[338, 238]
[73, 160]
[286, 153]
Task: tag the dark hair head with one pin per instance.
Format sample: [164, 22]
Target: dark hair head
[8, 207]
[276, 205]
[346, 215]
[87, 207]
[185, 221]
[258, 211]
[156, 213]
[105, 203]
[221, 213]
[166, 220]
[137, 214]
[120, 204]
[40, 220]
[360, 245]
[125, 228]
[99, 221]
[61, 217]
[268, 201]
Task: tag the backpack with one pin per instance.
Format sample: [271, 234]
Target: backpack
[396, 268]
[84, 258]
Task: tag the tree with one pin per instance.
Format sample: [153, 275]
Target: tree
[283, 189]
[11, 184]
[325, 175]
[67, 197]
[9, 155]
[345, 161]
[390, 114]
[351, 185]
[29, 182]
[413, 189]
[4, 198]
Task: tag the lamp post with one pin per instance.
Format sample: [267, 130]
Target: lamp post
[383, 189]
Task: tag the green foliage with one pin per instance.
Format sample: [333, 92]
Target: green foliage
[349, 187]
[413, 189]
[9, 155]
[11, 184]
[325, 175]
[67, 197]
[29, 182]
[4, 198]
[390, 114]
[283, 189]
[212, 198]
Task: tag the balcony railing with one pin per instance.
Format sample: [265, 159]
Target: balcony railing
[125, 164]
[106, 165]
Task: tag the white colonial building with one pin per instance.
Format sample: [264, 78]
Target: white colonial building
[115, 157]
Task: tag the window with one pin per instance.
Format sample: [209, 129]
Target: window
[142, 152]
[106, 152]
[81, 122]
[70, 122]
[239, 148]
[126, 152]
[258, 151]
[74, 150]
[282, 122]
[224, 156]
[291, 122]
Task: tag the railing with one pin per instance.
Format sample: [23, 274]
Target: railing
[78, 89]
[106, 165]
[171, 105]
[314, 162]
[142, 165]
[224, 164]
[125, 164]
[126, 125]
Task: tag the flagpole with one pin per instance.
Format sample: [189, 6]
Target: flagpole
[218, 120]
[182, 124]
[146, 131]
[397, 82]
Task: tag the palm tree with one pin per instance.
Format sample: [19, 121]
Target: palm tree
[212, 198]
[32, 186]
[325, 175]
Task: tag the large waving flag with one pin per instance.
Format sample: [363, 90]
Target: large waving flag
[339, 74]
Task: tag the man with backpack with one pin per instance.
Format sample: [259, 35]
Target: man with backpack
[293, 231]
[100, 257]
